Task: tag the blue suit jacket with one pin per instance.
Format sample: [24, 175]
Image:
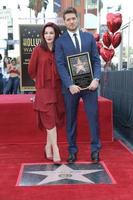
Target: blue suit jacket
[64, 47]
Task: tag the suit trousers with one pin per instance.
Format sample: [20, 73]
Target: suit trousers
[90, 100]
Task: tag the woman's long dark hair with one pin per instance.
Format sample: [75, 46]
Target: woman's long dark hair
[57, 31]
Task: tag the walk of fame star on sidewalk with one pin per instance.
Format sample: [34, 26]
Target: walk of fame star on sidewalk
[77, 173]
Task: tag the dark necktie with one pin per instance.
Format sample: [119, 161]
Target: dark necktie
[76, 42]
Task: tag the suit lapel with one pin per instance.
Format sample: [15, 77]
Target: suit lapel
[69, 42]
[82, 40]
[71, 48]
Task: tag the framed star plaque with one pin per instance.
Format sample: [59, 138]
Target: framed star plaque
[80, 69]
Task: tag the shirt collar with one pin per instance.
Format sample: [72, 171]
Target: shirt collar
[71, 33]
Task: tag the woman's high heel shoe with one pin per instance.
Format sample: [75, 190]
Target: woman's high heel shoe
[48, 152]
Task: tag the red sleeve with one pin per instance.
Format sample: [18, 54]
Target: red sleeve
[32, 67]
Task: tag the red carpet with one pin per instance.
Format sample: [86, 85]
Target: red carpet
[20, 142]
[17, 121]
[116, 157]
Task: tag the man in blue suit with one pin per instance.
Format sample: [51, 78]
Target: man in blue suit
[66, 46]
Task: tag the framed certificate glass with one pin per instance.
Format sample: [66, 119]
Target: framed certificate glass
[80, 69]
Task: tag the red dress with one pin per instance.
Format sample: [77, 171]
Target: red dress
[49, 103]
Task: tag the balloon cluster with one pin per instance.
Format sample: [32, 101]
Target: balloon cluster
[111, 38]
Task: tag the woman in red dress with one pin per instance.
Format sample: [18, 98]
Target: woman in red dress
[49, 104]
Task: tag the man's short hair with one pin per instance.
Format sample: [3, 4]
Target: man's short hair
[70, 10]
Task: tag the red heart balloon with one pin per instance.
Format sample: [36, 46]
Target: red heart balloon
[99, 46]
[97, 36]
[107, 54]
[116, 39]
[114, 21]
[107, 39]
